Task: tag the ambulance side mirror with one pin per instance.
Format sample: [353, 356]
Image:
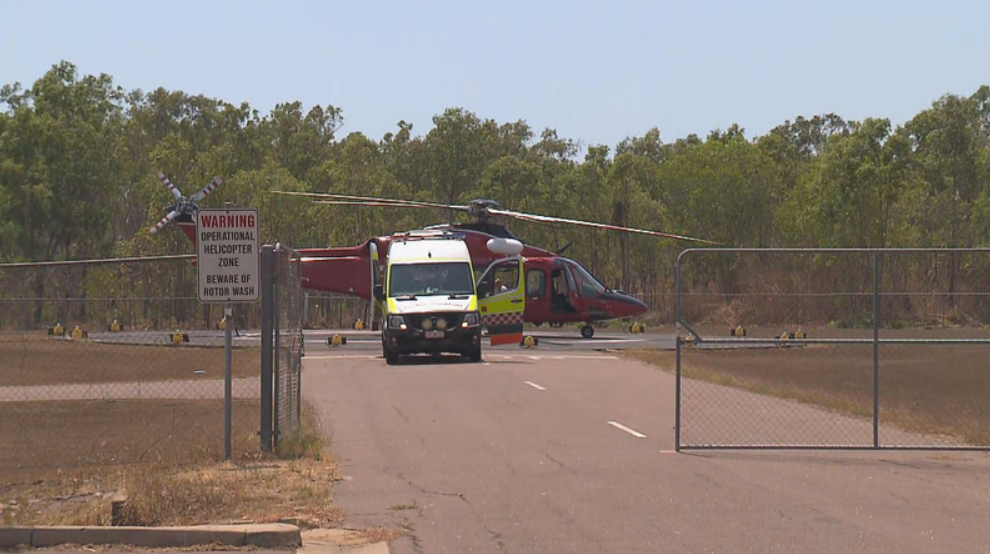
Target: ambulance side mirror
[379, 293]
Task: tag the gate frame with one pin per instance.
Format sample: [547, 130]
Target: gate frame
[272, 259]
[876, 341]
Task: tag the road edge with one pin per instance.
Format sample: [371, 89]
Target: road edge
[274, 535]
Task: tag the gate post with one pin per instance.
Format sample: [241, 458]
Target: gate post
[876, 348]
[677, 357]
[267, 294]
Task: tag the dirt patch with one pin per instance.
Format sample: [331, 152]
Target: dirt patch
[939, 390]
[32, 359]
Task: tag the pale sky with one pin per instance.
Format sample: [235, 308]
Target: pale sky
[595, 71]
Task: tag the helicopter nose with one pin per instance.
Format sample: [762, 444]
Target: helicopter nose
[623, 305]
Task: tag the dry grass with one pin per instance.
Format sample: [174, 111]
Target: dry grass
[308, 441]
[381, 534]
[187, 484]
[32, 359]
[44, 436]
[63, 462]
[299, 491]
[935, 389]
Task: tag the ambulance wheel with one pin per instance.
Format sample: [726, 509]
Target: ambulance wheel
[475, 355]
[587, 331]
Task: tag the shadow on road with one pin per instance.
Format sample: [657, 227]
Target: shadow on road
[420, 360]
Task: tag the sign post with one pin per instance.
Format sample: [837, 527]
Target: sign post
[228, 382]
[227, 269]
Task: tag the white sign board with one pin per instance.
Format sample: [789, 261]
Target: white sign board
[227, 255]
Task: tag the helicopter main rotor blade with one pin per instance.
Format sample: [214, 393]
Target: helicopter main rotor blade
[165, 221]
[360, 200]
[216, 182]
[381, 204]
[168, 184]
[547, 219]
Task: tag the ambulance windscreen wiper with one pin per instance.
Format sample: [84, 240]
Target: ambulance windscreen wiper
[456, 296]
[406, 297]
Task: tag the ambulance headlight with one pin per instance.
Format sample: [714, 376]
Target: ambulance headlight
[396, 322]
[471, 320]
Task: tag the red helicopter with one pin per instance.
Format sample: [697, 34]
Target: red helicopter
[558, 289]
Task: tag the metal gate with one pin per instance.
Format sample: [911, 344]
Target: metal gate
[833, 349]
[282, 343]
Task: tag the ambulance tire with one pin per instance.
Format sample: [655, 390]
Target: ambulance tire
[475, 355]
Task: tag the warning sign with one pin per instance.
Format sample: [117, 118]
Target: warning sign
[227, 255]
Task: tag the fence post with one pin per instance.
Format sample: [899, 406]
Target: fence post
[677, 394]
[876, 348]
[677, 357]
[267, 292]
[277, 328]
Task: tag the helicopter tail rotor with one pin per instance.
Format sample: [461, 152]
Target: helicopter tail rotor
[165, 221]
[168, 184]
[216, 182]
[183, 206]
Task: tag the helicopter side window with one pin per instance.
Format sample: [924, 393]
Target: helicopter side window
[558, 295]
[535, 283]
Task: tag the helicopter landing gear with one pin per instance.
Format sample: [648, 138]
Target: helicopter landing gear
[587, 331]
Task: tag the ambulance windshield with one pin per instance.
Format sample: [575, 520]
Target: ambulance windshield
[430, 279]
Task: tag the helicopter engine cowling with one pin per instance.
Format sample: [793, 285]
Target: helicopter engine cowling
[506, 247]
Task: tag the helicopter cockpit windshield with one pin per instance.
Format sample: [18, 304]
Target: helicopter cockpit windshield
[587, 286]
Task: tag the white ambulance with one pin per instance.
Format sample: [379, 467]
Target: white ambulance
[429, 298]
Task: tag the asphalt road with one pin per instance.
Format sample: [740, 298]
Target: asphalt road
[557, 450]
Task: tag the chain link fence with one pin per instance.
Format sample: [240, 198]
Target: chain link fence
[833, 348]
[334, 311]
[116, 362]
[288, 339]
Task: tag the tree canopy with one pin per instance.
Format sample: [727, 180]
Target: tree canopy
[79, 153]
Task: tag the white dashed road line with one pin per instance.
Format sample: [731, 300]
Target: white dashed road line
[622, 427]
[342, 357]
[534, 385]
